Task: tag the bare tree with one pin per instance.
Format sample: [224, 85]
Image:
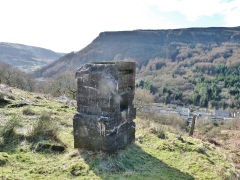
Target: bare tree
[61, 84]
[14, 77]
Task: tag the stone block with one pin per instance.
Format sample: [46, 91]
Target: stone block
[104, 120]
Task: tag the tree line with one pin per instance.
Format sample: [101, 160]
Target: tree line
[61, 84]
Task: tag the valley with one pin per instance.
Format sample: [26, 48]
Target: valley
[180, 73]
[192, 66]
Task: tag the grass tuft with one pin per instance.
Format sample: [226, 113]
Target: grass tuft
[160, 133]
[28, 111]
[3, 102]
[8, 132]
[46, 127]
[78, 169]
[3, 158]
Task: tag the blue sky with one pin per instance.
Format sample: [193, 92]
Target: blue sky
[180, 20]
[70, 25]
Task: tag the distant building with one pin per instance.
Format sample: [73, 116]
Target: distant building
[228, 119]
[162, 110]
[203, 113]
[222, 113]
[183, 111]
[148, 109]
[216, 118]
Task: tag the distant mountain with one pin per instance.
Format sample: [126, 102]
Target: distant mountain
[27, 58]
[144, 46]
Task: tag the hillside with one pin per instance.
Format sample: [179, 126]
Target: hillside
[153, 47]
[194, 66]
[27, 58]
[36, 142]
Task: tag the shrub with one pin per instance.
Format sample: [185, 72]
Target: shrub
[28, 111]
[45, 128]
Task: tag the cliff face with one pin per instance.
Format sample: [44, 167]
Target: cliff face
[145, 45]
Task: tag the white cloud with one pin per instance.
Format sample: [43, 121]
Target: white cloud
[232, 13]
[194, 9]
[66, 25]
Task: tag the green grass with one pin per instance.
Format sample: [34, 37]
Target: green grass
[149, 158]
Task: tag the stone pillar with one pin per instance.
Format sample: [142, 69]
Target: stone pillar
[105, 110]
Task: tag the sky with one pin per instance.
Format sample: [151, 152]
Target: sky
[70, 25]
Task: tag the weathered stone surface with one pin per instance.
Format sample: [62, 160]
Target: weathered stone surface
[104, 120]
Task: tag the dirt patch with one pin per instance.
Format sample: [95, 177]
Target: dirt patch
[18, 105]
[4, 103]
[45, 147]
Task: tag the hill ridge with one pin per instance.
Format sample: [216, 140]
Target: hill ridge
[143, 46]
[25, 57]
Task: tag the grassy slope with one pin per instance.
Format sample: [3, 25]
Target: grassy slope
[226, 134]
[149, 158]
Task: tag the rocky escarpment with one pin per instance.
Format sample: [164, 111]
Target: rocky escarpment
[146, 45]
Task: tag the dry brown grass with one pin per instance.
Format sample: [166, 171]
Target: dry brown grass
[158, 122]
[224, 134]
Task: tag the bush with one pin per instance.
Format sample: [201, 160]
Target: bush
[45, 128]
[28, 111]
